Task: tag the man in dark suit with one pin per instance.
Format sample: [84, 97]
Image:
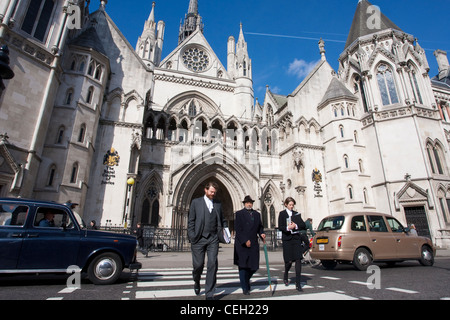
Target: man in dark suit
[248, 226]
[204, 221]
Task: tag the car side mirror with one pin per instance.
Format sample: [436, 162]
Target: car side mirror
[407, 229]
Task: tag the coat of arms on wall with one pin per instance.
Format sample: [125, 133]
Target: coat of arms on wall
[110, 160]
[317, 179]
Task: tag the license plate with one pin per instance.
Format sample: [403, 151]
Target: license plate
[321, 247]
[322, 241]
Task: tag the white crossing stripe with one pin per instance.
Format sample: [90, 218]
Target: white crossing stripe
[331, 278]
[402, 290]
[178, 283]
[312, 296]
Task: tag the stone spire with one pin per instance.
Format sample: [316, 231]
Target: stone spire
[149, 45]
[192, 22]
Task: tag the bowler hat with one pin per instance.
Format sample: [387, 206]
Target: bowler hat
[248, 199]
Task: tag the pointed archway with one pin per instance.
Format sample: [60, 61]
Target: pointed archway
[233, 183]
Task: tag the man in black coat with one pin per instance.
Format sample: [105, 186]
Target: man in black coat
[248, 226]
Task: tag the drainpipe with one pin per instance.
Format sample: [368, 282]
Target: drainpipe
[7, 17]
[62, 35]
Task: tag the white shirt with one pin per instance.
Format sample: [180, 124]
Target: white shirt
[209, 203]
[289, 212]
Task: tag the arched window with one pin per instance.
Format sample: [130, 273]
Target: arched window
[37, 18]
[355, 136]
[74, 174]
[436, 157]
[361, 167]
[415, 85]
[172, 130]
[69, 96]
[359, 87]
[350, 192]
[90, 95]
[51, 175]
[91, 68]
[98, 72]
[192, 109]
[82, 65]
[341, 130]
[161, 129]
[346, 162]
[386, 83]
[60, 136]
[366, 196]
[82, 133]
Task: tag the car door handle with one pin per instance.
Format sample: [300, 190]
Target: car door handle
[398, 240]
[17, 235]
[35, 235]
[374, 240]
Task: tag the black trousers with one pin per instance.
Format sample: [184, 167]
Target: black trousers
[210, 247]
[298, 271]
[244, 277]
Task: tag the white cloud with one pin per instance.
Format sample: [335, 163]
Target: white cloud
[301, 68]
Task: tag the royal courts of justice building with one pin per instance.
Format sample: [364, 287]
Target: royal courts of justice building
[132, 136]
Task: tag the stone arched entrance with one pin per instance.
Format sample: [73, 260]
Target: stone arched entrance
[223, 196]
[233, 186]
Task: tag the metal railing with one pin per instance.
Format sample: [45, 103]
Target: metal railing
[176, 240]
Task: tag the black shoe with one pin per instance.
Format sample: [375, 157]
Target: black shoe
[197, 288]
[286, 282]
[299, 288]
[246, 292]
[209, 298]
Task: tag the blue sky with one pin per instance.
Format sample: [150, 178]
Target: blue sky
[282, 35]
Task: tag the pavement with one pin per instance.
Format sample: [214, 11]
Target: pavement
[167, 260]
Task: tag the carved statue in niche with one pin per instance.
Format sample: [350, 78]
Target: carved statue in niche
[298, 156]
[136, 139]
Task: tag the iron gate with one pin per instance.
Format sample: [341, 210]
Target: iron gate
[418, 217]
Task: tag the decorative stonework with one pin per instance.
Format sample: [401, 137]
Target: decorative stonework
[196, 59]
[195, 83]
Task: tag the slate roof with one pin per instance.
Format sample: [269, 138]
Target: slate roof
[336, 90]
[360, 25]
[89, 39]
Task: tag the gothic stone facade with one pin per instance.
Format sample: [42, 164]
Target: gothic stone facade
[133, 136]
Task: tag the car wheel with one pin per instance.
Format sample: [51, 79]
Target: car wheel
[426, 256]
[105, 269]
[362, 259]
[329, 264]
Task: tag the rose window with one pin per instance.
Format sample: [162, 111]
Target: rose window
[196, 59]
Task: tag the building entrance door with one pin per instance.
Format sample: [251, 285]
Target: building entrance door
[418, 217]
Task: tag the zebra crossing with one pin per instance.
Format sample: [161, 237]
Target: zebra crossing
[177, 284]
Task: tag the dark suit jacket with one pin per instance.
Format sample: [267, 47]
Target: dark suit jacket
[196, 219]
[282, 224]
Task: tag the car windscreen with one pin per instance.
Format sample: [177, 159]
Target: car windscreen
[331, 223]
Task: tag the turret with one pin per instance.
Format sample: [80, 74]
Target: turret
[192, 22]
[240, 68]
[149, 45]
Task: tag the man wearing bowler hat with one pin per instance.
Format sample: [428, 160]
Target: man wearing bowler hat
[248, 225]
